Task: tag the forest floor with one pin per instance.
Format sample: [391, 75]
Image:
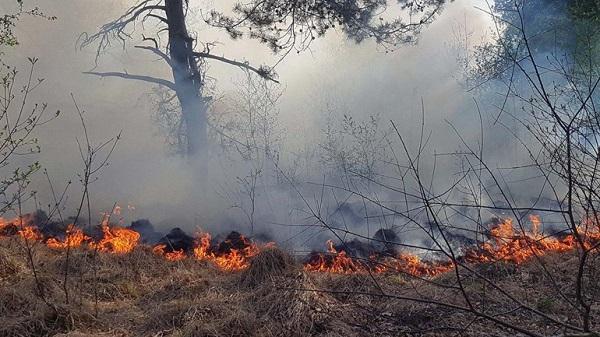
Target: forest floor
[140, 294]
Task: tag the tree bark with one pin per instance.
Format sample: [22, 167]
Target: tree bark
[188, 80]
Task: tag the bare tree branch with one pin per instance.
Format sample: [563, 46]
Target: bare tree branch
[261, 71]
[157, 52]
[143, 78]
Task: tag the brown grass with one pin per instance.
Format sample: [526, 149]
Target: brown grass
[269, 264]
[143, 295]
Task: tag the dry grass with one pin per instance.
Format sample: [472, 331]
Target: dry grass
[269, 264]
[143, 295]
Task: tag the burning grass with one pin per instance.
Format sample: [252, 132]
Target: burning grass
[184, 286]
[236, 251]
[506, 243]
[141, 294]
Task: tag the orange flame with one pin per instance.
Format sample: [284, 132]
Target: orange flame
[116, 240]
[413, 265]
[536, 224]
[74, 238]
[340, 263]
[335, 262]
[506, 243]
[3, 225]
[21, 225]
[234, 259]
[176, 255]
[507, 246]
[30, 233]
[26, 229]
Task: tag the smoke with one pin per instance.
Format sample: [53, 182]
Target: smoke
[356, 80]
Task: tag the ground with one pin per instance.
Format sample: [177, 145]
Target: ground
[140, 294]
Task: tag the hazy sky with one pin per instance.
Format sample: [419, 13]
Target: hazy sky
[360, 80]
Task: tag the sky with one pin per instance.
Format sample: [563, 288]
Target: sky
[357, 80]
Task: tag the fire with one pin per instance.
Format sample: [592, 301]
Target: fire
[116, 240]
[30, 233]
[201, 252]
[234, 253]
[23, 226]
[506, 243]
[3, 226]
[413, 265]
[229, 258]
[340, 262]
[237, 259]
[74, 238]
[176, 255]
[536, 224]
[335, 262]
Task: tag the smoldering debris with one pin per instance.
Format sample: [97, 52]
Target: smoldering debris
[177, 240]
[148, 234]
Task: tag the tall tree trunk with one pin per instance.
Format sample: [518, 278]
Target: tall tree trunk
[187, 78]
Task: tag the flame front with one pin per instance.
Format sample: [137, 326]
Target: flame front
[335, 262]
[74, 238]
[509, 245]
[176, 255]
[506, 243]
[231, 260]
[340, 262]
[116, 240]
[21, 225]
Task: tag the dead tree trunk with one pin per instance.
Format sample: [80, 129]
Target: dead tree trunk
[187, 78]
[284, 25]
[188, 81]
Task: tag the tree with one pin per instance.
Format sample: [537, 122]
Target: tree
[8, 22]
[284, 25]
[567, 29]
[287, 24]
[179, 54]
[19, 116]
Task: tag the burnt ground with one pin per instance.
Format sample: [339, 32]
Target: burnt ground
[140, 294]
